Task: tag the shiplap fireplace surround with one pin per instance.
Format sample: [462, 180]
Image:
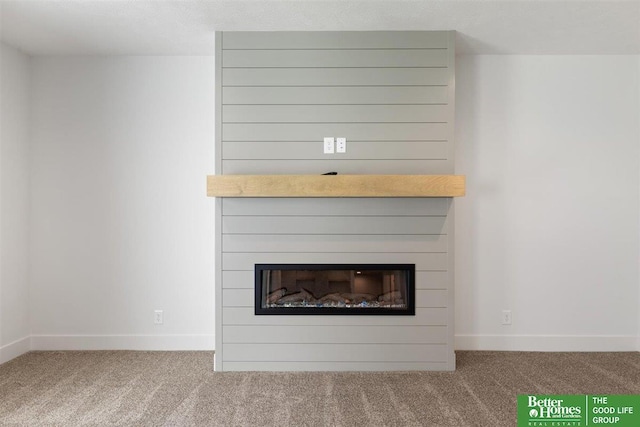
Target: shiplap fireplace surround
[391, 95]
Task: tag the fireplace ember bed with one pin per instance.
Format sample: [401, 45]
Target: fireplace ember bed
[335, 289]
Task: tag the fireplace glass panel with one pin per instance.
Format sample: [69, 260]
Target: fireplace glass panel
[335, 289]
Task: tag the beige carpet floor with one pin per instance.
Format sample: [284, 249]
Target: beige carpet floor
[127, 388]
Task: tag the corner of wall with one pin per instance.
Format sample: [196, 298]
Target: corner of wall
[15, 349]
[15, 68]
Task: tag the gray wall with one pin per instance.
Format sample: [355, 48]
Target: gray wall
[391, 95]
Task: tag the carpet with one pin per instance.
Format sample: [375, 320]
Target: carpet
[134, 388]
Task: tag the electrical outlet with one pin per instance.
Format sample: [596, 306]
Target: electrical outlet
[506, 317]
[329, 144]
[341, 145]
[158, 317]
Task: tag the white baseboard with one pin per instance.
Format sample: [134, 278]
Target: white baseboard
[15, 349]
[207, 343]
[124, 342]
[547, 342]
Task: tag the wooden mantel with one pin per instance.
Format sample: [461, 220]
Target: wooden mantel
[335, 185]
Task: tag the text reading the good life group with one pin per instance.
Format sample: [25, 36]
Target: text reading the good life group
[578, 410]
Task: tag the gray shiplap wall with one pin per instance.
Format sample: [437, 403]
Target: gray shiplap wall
[278, 95]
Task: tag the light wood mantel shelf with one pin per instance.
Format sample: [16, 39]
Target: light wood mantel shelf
[335, 185]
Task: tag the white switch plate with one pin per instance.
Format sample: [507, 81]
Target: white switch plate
[341, 145]
[329, 144]
[158, 317]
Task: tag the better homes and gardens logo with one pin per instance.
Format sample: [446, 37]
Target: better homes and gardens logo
[553, 410]
[578, 410]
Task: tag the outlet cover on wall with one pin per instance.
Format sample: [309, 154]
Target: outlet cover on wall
[341, 145]
[329, 144]
[506, 317]
[158, 317]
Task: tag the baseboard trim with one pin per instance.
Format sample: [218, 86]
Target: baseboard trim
[547, 342]
[15, 349]
[124, 342]
[206, 342]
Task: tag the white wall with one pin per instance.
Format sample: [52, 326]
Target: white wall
[14, 202]
[120, 225]
[121, 147]
[549, 226]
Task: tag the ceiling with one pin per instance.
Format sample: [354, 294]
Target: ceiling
[186, 27]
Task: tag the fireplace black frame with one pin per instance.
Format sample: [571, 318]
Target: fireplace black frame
[410, 309]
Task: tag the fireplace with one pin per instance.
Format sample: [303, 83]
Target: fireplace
[274, 207]
[335, 289]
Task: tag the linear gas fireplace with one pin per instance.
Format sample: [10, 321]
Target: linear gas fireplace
[372, 289]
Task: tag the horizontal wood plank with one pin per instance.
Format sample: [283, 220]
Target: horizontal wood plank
[336, 206]
[335, 113]
[421, 80]
[315, 132]
[334, 39]
[355, 167]
[335, 186]
[356, 150]
[330, 334]
[385, 366]
[355, 225]
[330, 242]
[335, 352]
[423, 317]
[334, 95]
[247, 261]
[342, 58]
